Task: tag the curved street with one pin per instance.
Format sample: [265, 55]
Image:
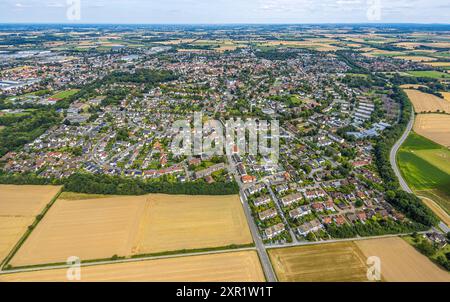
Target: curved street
[393, 155]
[393, 160]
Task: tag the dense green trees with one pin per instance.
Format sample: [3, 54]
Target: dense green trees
[403, 201]
[11, 119]
[115, 185]
[149, 77]
[104, 184]
[22, 131]
[26, 179]
[273, 54]
[373, 228]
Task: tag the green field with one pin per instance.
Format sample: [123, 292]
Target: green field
[441, 54]
[429, 74]
[65, 94]
[425, 165]
[394, 54]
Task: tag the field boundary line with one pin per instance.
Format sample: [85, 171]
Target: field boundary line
[341, 240]
[29, 230]
[127, 260]
[435, 204]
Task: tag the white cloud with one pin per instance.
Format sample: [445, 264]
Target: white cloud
[55, 4]
[226, 11]
[21, 5]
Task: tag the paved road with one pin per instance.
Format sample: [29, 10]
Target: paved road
[393, 155]
[280, 212]
[393, 160]
[444, 227]
[261, 249]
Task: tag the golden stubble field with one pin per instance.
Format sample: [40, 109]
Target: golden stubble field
[446, 94]
[440, 212]
[319, 263]
[103, 227]
[188, 222]
[416, 58]
[439, 64]
[346, 261]
[317, 44]
[424, 102]
[400, 262]
[435, 127]
[19, 206]
[243, 266]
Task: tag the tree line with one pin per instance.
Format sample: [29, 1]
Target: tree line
[21, 131]
[116, 185]
[407, 203]
[374, 228]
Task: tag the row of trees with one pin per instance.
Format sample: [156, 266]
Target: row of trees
[274, 54]
[21, 131]
[373, 228]
[11, 119]
[432, 250]
[115, 185]
[105, 184]
[149, 77]
[403, 201]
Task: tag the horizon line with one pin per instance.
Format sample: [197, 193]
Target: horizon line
[237, 23]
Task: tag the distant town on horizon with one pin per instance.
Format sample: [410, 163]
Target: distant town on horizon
[258, 152]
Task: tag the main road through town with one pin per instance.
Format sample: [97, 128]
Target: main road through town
[259, 244]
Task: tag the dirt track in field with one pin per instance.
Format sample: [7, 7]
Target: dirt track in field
[234, 266]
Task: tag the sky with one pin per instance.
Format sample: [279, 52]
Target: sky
[224, 11]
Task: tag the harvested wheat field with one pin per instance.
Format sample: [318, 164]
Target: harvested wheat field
[439, 64]
[435, 127]
[234, 266]
[25, 200]
[171, 221]
[424, 102]
[314, 44]
[411, 86]
[446, 95]
[19, 206]
[88, 229]
[103, 227]
[400, 262]
[175, 42]
[332, 262]
[437, 210]
[416, 58]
